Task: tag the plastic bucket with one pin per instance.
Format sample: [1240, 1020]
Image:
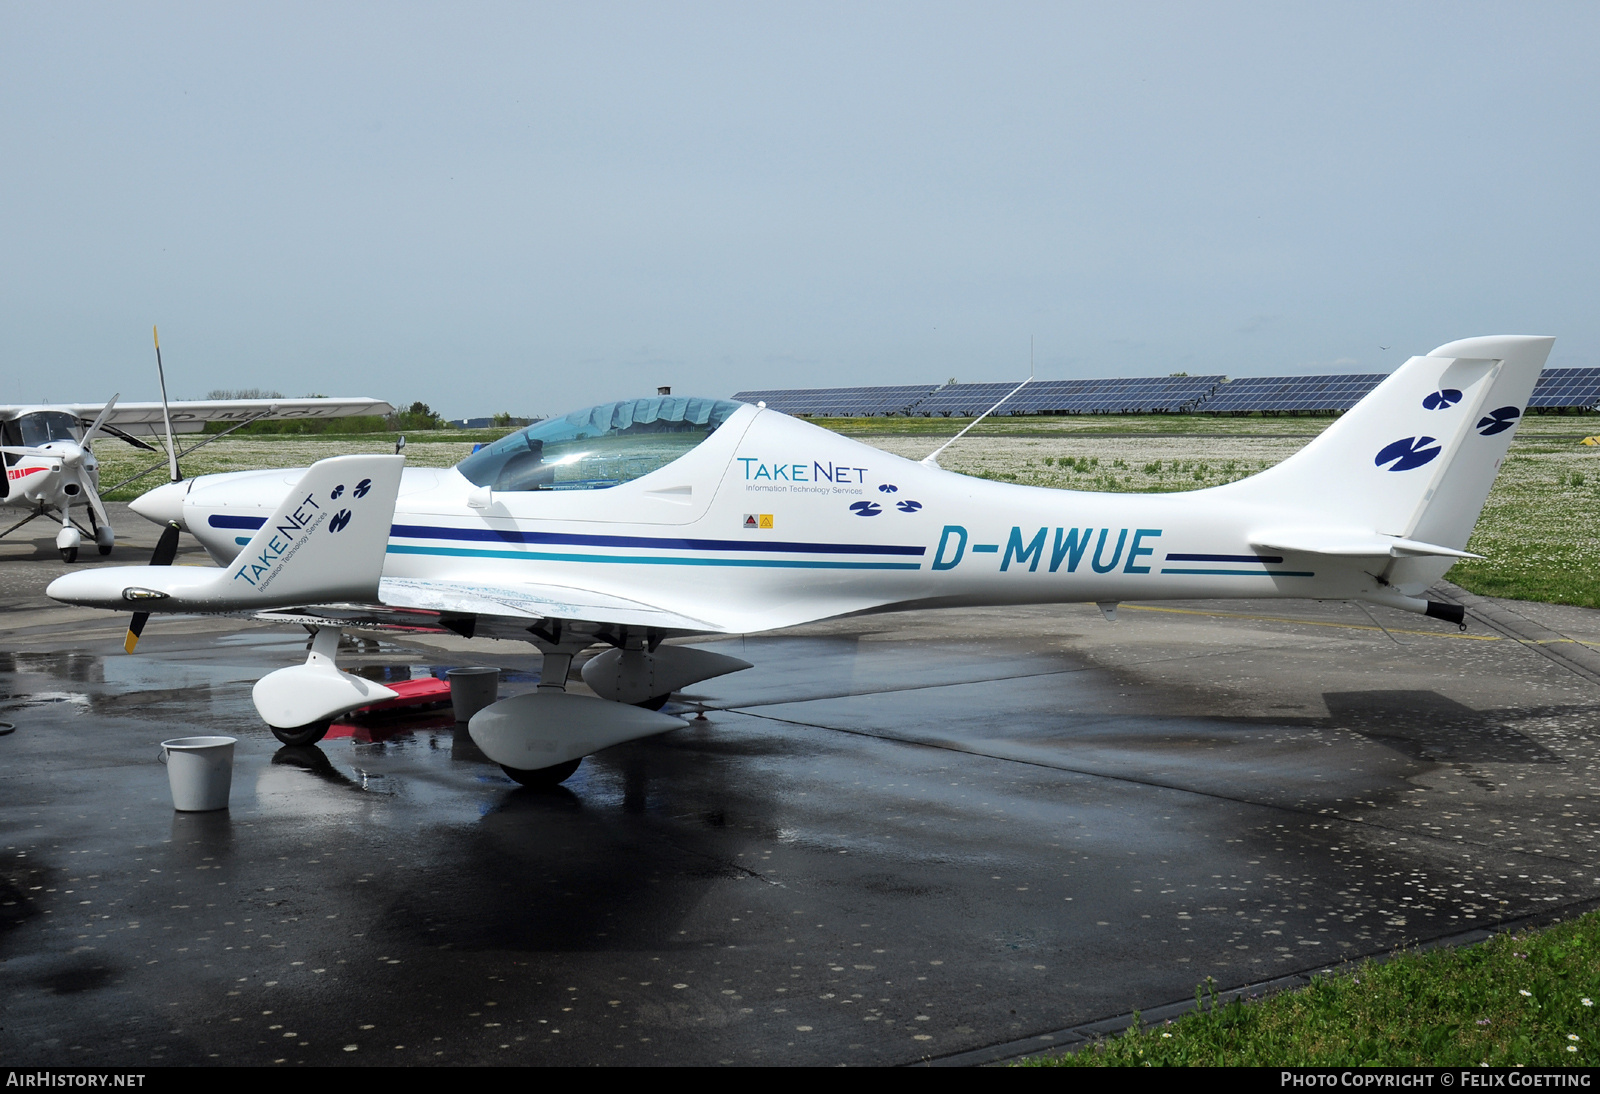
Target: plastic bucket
[200, 770]
[472, 689]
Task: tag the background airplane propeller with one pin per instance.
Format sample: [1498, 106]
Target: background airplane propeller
[166, 412]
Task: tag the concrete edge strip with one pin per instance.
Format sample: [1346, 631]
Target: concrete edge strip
[1076, 1037]
[1567, 652]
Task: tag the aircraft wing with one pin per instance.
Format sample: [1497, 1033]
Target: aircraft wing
[532, 602]
[515, 611]
[145, 419]
[490, 611]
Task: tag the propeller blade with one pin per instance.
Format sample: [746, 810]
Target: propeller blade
[135, 629]
[167, 546]
[92, 496]
[166, 414]
[94, 430]
[166, 550]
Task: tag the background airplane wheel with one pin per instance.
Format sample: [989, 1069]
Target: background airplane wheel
[104, 549]
[546, 777]
[302, 735]
[655, 702]
[69, 554]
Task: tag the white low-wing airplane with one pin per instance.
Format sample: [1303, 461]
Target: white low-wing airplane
[631, 522]
[49, 459]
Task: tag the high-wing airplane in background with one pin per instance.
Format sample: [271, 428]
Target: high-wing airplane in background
[49, 459]
[631, 522]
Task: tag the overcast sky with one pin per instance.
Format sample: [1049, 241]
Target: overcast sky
[532, 207]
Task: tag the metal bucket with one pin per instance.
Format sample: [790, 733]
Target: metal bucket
[472, 689]
[200, 770]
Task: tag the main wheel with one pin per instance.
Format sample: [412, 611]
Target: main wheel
[308, 734]
[103, 548]
[543, 777]
[69, 554]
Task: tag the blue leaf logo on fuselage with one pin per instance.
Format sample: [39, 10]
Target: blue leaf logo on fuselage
[1407, 453]
[908, 506]
[1498, 421]
[865, 508]
[1442, 400]
[888, 488]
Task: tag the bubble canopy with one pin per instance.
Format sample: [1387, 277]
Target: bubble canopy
[599, 447]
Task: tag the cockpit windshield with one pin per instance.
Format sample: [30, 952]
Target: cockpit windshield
[44, 426]
[599, 447]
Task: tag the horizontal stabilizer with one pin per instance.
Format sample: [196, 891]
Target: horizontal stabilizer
[1352, 545]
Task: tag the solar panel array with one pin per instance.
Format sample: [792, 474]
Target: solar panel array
[1567, 388]
[1558, 388]
[1125, 395]
[1137, 395]
[840, 402]
[1281, 394]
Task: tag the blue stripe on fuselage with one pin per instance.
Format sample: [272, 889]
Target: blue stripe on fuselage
[566, 539]
[223, 520]
[495, 535]
[652, 560]
[1243, 573]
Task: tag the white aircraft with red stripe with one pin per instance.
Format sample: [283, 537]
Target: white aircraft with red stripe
[634, 522]
[51, 468]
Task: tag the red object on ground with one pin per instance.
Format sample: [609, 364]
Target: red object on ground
[413, 696]
[430, 691]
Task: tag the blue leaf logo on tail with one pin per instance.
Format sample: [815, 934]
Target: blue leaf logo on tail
[338, 492]
[340, 519]
[1442, 400]
[1408, 452]
[362, 487]
[1498, 421]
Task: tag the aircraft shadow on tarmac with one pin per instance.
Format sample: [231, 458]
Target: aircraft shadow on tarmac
[1432, 728]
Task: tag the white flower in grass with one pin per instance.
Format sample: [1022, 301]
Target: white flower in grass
[1524, 991]
[1572, 1036]
[1586, 1001]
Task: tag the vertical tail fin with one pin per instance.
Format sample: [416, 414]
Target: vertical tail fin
[1417, 456]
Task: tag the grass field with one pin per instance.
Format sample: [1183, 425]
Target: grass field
[1537, 530]
[1518, 999]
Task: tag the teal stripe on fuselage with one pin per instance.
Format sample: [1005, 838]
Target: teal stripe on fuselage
[652, 560]
[1246, 573]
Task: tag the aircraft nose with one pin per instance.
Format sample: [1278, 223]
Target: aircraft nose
[163, 504]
